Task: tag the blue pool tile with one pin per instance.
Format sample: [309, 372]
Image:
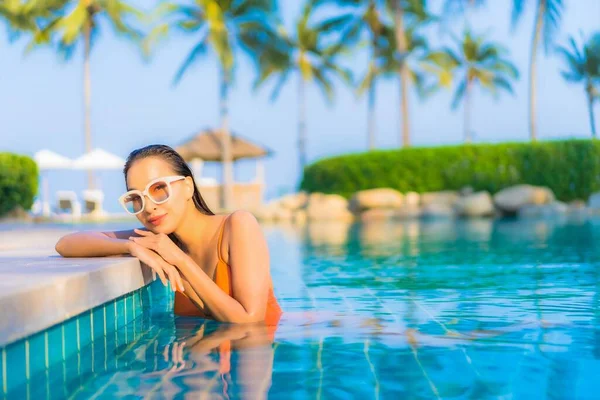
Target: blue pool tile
[100, 355]
[98, 322]
[111, 316]
[57, 377]
[37, 354]
[120, 312]
[16, 358]
[70, 336]
[2, 372]
[130, 310]
[85, 329]
[55, 345]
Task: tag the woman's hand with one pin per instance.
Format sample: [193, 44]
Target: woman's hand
[164, 269]
[161, 244]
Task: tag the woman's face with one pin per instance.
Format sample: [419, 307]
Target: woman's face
[165, 217]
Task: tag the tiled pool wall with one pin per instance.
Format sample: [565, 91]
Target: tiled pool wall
[57, 353]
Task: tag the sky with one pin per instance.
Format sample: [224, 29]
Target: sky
[135, 103]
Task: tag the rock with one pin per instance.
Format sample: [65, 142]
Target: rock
[294, 201]
[378, 214]
[282, 214]
[17, 214]
[299, 217]
[465, 191]
[412, 199]
[408, 212]
[553, 209]
[594, 200]
[511, 199]
[446, 197]
[437, 210]
[376, 198]
[327, 207]
[577, 204]
[475, 205]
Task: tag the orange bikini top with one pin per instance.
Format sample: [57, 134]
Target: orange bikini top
[184, 306]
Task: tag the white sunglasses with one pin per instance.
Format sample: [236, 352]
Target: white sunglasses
[158, 191]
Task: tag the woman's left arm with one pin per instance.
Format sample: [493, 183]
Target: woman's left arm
[249, 262]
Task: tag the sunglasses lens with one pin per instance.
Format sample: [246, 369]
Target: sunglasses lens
[159, 192]
[133, 203]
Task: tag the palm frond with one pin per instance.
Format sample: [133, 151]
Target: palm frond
[459, 93]
[197, 51]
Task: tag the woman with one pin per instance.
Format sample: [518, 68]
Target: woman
[217, 265]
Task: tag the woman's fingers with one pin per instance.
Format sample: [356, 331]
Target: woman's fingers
[143, 233]
[147, 242]
[156, 267]
[174, 277]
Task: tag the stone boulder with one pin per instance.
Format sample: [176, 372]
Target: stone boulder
[293, 201]
[554, 209]
[17, 214]
[446, 197]
[478, 204]
[512, 199]
[378, 214]
[385, 198]
[437, 210]
[299, 217]
[282, 214]
[327, 207]
[412, 200]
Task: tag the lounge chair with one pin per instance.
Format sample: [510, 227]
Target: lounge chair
[68, 203]
[93, 199]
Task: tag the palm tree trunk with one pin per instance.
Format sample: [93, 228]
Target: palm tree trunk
[301, 124]
[87, 98]
[537, 30]
[402, 71]
[226, 161]
[467, 116]
[371, 114]
[590, 95]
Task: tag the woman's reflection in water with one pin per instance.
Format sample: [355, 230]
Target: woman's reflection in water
[219, 360]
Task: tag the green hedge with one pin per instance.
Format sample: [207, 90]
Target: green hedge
[570, 168]
[18, 182]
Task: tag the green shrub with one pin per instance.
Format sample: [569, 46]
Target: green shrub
[569, 168]
[18, 182]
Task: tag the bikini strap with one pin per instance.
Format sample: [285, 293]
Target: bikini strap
[220, 240]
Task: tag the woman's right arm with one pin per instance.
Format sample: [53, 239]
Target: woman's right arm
[99, 244]
[95, 244]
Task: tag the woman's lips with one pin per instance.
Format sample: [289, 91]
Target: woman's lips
[157, 220]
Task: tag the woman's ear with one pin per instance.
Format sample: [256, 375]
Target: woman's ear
[189, 187]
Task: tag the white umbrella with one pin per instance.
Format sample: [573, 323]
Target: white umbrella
[98, 159]
[46, 160]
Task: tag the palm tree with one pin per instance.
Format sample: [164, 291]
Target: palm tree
[476, 62]
[371, 17]
[24, 16]
[547, 20]
[78, 21]
[583, 66]
[306, 53]
[223, 27]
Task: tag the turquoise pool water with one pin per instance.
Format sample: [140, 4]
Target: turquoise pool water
[461, 310]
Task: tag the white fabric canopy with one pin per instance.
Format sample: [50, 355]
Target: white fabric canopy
[47, 159]
[98, 159]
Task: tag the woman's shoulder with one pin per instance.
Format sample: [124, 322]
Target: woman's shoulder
[241, 221]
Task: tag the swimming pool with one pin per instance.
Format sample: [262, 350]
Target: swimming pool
[469, 309]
